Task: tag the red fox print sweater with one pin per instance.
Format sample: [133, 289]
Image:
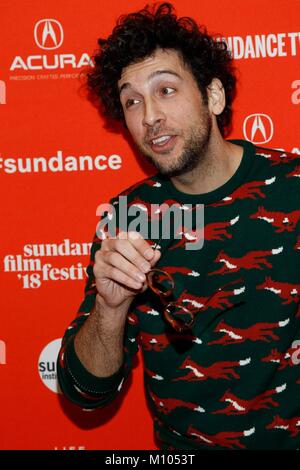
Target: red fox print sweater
[233, 380]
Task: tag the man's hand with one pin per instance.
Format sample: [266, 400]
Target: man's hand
[121, 265]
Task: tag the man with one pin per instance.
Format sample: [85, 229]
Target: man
[220, 343]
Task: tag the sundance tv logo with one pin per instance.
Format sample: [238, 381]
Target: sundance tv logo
[47, 365]
[48, 36]
[258, 128]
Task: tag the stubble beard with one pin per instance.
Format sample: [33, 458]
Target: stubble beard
[192, 156]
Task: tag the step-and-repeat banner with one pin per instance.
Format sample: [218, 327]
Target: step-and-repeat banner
[58, 162]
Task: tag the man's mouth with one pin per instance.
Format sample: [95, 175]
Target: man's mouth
[162, 143]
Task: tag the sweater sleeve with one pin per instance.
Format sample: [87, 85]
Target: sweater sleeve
[76, 382]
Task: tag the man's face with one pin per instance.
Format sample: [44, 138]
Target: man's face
[165, 112]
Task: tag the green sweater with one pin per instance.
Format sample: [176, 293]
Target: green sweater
[233, 381]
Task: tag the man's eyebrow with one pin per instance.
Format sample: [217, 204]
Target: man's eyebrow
[160, 72]
[151, 76]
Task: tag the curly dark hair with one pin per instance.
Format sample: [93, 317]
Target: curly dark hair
[137, 35]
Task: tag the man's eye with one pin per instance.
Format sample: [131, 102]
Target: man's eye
[130, 102]
[167, 90]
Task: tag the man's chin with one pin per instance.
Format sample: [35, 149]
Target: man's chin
[168, 170]
[164, 165]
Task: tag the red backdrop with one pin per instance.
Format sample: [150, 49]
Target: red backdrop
[50, 193]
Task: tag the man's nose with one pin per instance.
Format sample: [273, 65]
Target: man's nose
[152, 113]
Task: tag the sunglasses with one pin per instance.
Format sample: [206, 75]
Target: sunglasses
[180, 318]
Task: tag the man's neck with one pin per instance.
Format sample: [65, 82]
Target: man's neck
[219, 165]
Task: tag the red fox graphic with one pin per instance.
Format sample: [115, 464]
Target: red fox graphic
[284, 221]
[286, 291]
[191, 236]
[276, 158]
[162, 341]
[224, 439]
[132, 319]
[237, 406]
[181, 270]
[258, 332]
[295, 172]
[213, 231]
[149, 310]
[246, 191]
[219, 300]
[292, 425]
[218, 370]
[217, 230]
[252, 260]
[283, 359]
[153, 375]
[166, 405]
[154, 342]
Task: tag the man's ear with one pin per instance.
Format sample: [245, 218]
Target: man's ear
[216, 96]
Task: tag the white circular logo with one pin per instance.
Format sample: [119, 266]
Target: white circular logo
[258, 128]
[47, 365]
[48, 34]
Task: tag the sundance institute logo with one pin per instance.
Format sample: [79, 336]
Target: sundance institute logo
[47, 365]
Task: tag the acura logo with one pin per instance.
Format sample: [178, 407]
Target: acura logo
[48, 34]
[258, 128]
